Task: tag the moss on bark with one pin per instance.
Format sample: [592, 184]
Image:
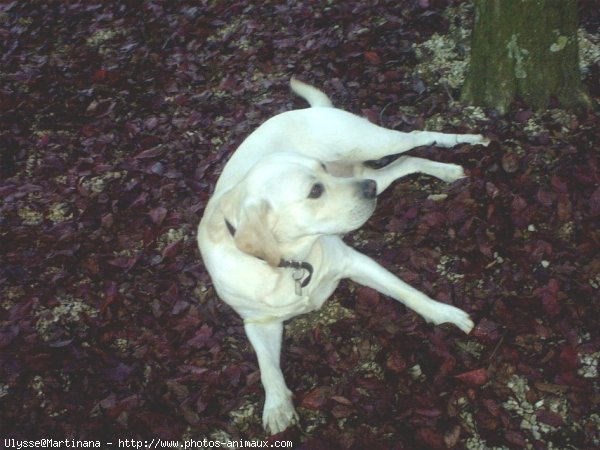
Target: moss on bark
[527, 49]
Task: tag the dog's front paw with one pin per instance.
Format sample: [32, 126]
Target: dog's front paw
[450, 314]
[473, 139]
[278, 414]
[480, 140]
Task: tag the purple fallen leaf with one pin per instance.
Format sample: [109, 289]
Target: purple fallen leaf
[109, 402]
[486, 330]
[492, 406]
[431, 437]
[594, 203]
[546, 198]
[124, 262]
[150, 153]
[549, 297]
[8, 333]
[140, 200]
[157, 168]
[516, 438]
[179, 307]
[568, 358]
[151, 123]
[523, 115]
[202, 338]
[172, 249]
[549, 417]
[119, 373]
[158, 215]
[428, 412]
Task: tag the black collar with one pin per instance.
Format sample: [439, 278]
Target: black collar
[230, 227]
[284, 263]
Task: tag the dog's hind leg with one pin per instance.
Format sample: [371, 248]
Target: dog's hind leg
[332, 134]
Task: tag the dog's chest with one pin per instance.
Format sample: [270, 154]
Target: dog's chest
[326, 275]
[321, 290]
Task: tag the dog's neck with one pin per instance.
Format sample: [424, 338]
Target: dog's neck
[303, 270]
[297, 249]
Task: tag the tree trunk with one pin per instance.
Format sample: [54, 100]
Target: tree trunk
[525, 48]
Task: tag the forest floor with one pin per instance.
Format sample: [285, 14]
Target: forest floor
[116, 119]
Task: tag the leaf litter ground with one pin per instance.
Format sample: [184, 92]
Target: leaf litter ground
[116, 120]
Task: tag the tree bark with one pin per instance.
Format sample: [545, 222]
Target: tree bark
[525, 48]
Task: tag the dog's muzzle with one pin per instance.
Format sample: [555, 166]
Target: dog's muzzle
[368, 188]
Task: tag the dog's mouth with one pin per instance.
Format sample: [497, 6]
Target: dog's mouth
[361, 212]
[364, 209]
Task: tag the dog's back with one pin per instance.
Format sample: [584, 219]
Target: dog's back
[274, 136]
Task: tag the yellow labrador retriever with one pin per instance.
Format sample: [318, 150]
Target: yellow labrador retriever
[270, 235]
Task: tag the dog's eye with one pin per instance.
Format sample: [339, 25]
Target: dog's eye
[316, 191]
[324, 167]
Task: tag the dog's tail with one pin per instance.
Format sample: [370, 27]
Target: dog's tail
[311, 94]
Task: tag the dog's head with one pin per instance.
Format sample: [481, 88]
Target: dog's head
[287, 197]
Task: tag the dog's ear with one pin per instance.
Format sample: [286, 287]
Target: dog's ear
[254, 236]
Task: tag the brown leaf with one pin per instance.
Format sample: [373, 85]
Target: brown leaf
[452, 436]
[516, 438]
[372, 57]
[342, 400]
[564, 208]
[431, 437]
[477, 377]
[396, 363]
[510, 163]
[316, 398]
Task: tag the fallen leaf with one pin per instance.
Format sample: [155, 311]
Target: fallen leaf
[316, 398]
[476, 377]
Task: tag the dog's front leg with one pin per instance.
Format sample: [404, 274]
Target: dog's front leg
[278, 412]
[367, 272]
[406, 165]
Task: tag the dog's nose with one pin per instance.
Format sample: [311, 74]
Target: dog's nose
[369, 188]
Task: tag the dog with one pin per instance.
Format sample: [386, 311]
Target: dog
[270, 236]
